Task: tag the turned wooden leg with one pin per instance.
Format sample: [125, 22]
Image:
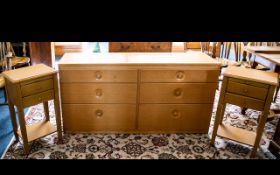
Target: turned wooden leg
[46, 110]
[23, 130]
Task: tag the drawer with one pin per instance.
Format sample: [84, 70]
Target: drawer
[243, 101]
[180, 75]
[177, 92]
[36, 87]
[158, 46]
[98, 76]
[98, 93]
[38, 98]
[248, 82]
[247, 90]
[123, 47]
[106, 117]
[184, 118]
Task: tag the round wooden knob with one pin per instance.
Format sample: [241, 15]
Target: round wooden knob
[177, 92]
[180, 75]
[99, 113]
[98, 75]
[245, 90]
[40, 98]
[98, 92]
[176, 114]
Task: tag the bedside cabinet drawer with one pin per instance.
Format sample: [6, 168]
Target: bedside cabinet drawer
[247, 90]
[37, 98]
[179, 76]
[36, 87]
[245, 102]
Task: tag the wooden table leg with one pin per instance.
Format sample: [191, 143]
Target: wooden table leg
[23, 130]
[13, 119]
[46, 110]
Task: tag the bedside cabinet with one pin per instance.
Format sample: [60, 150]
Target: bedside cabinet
[27, 87]
[247, 88]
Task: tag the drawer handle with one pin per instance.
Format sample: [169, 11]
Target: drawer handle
[180, 75]
[40, 98]
[125, 47]
[177, 92]
[98, 92]
[155, 46]
[99, 113]
[176, 114]
[98, 75]
[245, 90]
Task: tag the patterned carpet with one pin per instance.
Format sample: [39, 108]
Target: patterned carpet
[146, 146]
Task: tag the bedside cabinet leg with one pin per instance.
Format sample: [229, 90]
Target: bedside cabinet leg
[46, 110]
[57, 109]
[13, 120]
[218, 119]
[23, 130]
[259, 133]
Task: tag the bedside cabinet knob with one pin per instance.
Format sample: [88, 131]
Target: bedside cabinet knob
[176, 114]
[40, 98]
[177, 92]
[245, 90]
[98, 75]
[180, 75]
[99, 113]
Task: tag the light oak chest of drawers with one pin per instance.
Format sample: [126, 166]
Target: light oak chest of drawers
[137, 92]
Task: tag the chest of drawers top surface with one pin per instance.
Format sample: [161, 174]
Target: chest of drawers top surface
[191, 58]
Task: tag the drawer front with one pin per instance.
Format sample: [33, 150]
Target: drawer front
[158, 46]
[248, 82]
[123, 47]
[38, 98]
[106, 117]
[247, 90]
[180, 75]
[165, 117]
[242, 101]
[98, 93]
[36, 87]
[177, 92]
[98, 76]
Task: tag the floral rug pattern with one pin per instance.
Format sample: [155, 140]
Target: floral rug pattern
[146, 146]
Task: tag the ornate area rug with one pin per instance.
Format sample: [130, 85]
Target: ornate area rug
[146, 146]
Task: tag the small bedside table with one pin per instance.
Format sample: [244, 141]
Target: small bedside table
[246, 88]
[27, 87]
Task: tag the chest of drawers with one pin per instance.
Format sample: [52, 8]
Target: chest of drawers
[137, 92]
